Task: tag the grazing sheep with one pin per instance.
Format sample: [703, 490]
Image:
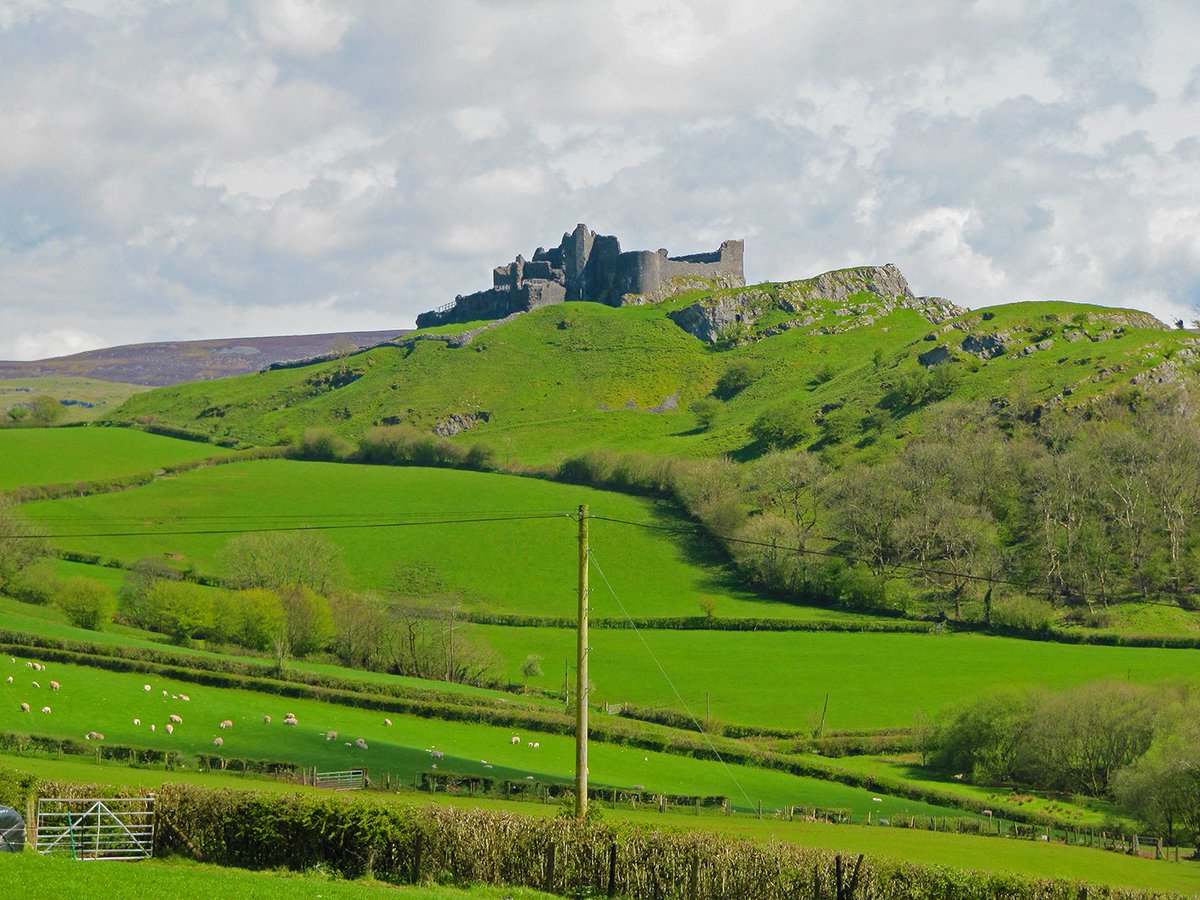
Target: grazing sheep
[218, 741]
[226, 723]
[290, 719]
[515, 739]
[529, 743]
[164, 693]
[10, 679]
[54, 685]
[29, 665]
[174, 696]
[387, 722]
[137, 721]
[153, 727]
[170, 728]
[178, 720]
[266, 720]
[24, 707]
[36, 685]
[437, 754]
[185, 698]
[360, 744]
[45, 709]
[331, 735]
[145, 687]
[536, 745]
[93, 736]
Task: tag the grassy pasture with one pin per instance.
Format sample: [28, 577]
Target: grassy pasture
[57, 455]
[780, 679]
[57, 878]
[526, 566]
[99, 700]
[105, 396]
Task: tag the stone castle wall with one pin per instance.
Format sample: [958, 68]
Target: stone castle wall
[585, 266]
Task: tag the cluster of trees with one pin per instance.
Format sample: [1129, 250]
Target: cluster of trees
[1137, 745]
[39, 411]
[1077, 510]
[393, 445]
[283, 595]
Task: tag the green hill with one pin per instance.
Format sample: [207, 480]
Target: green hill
[580, 375]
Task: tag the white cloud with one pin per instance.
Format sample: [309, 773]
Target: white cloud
[56, 342]
[303, 27]
[181, 169]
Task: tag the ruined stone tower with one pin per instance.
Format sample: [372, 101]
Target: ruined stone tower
[586, 266]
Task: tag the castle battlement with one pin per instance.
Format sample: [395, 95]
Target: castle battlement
[585, 266]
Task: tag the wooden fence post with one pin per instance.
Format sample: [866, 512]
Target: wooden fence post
[612, 869]
[548, 884]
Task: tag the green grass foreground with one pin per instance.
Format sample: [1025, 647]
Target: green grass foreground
[52, 878]
[30, 456]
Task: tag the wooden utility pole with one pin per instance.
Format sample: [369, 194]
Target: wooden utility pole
[581, 673]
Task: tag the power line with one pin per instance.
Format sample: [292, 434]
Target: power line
[278, 528]
[663, 671]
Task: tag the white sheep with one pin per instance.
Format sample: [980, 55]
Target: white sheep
[218, 741]
[178, 720]
[36, 685]
[45, 709]
[266, 720]
[137, 721]
[437, 754]
[331, 735]
[54, 685]
[185, 698]
[153, 727]
[226, 723]
[146, 687]
[387, 722]
[93, 736]
[170, 728]
[515, 739]
[361, 744]
[24, 707]
[536, 745]
[164, 693]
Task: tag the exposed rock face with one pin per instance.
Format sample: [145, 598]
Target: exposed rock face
[986, 346]
[460, 422]
[712, 317]
[936, 356]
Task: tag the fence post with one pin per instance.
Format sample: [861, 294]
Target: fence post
[416, 861]
[549, 882]
[694, 884]
[612, 869]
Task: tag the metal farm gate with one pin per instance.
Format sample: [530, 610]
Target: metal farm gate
[350, 780]
[91, 828]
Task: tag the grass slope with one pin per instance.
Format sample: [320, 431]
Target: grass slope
[99, 700]
[562, 378]
[780, 679]
[31, 456]
[524, 566]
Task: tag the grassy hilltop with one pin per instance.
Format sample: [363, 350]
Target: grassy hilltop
[576, 376]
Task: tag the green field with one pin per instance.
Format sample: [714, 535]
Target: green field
[780, 679]
[524, 566]
[108, 702]
[104, 396]
[57, 878]
[56, 455]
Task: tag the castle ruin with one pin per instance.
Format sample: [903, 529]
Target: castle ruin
[586, 266]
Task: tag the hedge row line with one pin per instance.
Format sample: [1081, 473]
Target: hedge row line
[699, 623]
[357, 836]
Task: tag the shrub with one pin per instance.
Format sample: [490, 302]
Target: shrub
[780, 427]
[705, 409]
[86, 602]
[1022, 613]
[37, 583]
[323, 444]
[737, 377]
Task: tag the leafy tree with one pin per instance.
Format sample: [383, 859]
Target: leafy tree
[86, 602]
[18, 547]
[178, 608]
[531, 668]
[780, 427]
[740, 374]
[283, 559]
[705, 409]
[38, 582]
[308, 620]
[44, 410]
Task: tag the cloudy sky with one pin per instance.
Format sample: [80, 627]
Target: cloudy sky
[176, 170]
